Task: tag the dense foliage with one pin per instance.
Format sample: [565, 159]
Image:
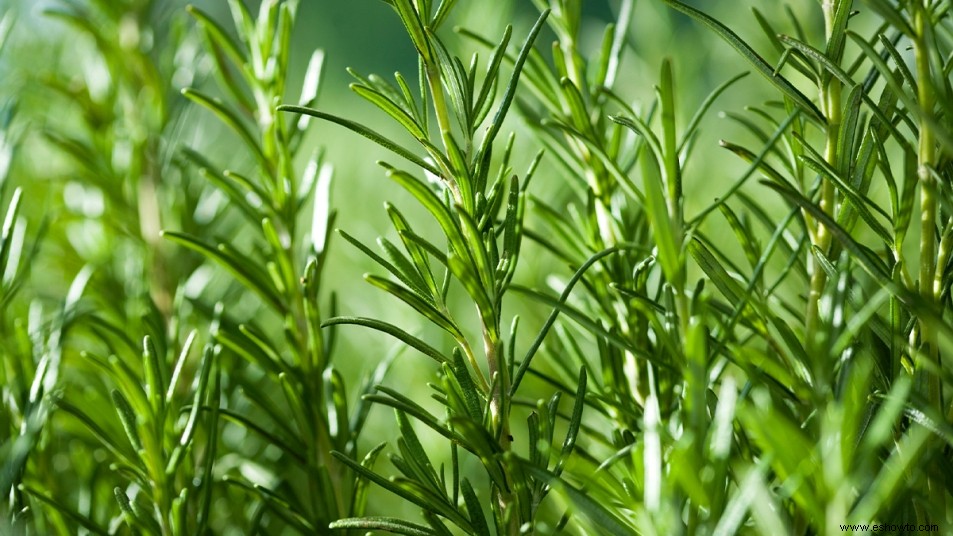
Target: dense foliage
[754, 339]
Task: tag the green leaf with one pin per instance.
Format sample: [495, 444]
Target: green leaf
[751, 490]
[253, 204]
[706, 105]
[669, 155]
[577, 108]
[104, 438]
[873, 265]
[416, 250]
[415, 456]
[664, 228]
[512, 231]
[359, 497]
[128, 419]
[226, 55]
[717, 274]
[392, 109]
[474, 288]
[229, 118]
[443, 9]
[497, 123]
[213, 399]
[538, 341]
[368, 133]
[474, 509]
[409, 279]
[152, 369]
[336, 403]
[311, 84]
[485, 97]
[426, 197]
[278, 242]
[757, 163]
[179, 364]
[456, 84]
[892, 15]
[404, 404]
[611, 165]
[459, 380]
[575, 421]
[748, 53]
[411, 272]
[858, 201]
[820, 58]
[65, 510]
[239, 339]
[612, 57]
[282, 508]
[795, 459]
[386, 524]
[838, 31]
[405, 490]
[743, 233]
[475, 437]
[249, 274]
[904, 456]
[6, 234]
[600, 515]
[477, 250]
[895, 83]
[423, 307]
[243, 20]
[201, 393]
[415, 28]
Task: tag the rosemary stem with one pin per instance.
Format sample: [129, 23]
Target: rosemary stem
[830, 95]
[928, 190]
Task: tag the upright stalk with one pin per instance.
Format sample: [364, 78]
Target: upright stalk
[926, 161]
[504, 498]
[468, 202]
[289, 279]
[830, 96]
[608, 232]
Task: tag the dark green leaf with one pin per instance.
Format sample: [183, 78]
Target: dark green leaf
[748, 53]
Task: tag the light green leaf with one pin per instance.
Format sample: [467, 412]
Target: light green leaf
[386, 524]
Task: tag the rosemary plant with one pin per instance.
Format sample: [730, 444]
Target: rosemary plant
[769, 358]
[91, 359]
[478, 205]
[161, 438]
[674, 354]
[306, 487]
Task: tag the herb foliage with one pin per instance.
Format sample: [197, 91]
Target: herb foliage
[774, 360]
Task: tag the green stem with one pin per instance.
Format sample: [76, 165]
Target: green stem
[830, 95]
[828, 205]
[446, 130]
[500, 383]
[306, 344]
[928, 190]
[926, 161]
[505, 501]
